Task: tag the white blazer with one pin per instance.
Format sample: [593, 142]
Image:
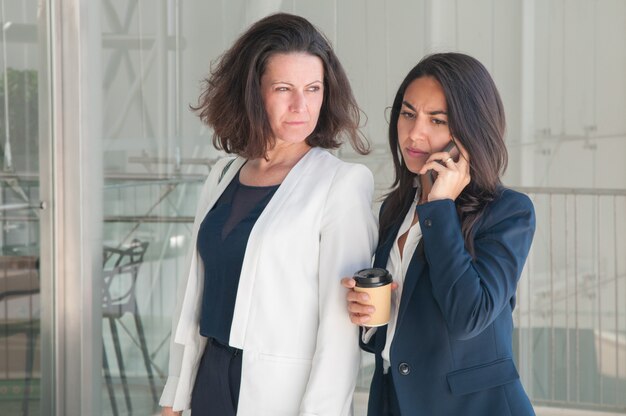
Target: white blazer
[301, 353]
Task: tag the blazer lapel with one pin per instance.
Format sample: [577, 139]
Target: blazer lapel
[230, 173]
[185, 330]
[414, 271]
[384, 247]
[416, 266]
[413, 274]
[262, 227]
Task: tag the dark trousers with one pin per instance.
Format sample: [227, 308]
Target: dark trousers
[390, 400]
[216, 390]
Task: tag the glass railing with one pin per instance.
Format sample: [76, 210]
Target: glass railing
[570, 316]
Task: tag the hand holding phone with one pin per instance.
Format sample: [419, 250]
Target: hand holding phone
[431, 174]
[449, 180]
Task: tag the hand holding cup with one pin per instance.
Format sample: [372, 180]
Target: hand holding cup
[369, 297]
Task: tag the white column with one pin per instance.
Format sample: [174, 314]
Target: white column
[526, 173]
[440, 28]
[527, 136]
[72, 189]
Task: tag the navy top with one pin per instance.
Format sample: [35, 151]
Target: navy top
[222, 240]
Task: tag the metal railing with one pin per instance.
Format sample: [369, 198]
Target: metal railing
[570, 317]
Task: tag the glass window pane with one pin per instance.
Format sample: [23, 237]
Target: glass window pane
[156, 158]
[20, 346]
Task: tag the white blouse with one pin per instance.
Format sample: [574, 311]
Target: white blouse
[398, 265]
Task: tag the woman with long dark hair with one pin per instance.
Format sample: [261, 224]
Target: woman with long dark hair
[455, 241]
[260, 327]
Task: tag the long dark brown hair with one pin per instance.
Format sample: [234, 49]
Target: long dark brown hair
[476, 120]
[231, 101]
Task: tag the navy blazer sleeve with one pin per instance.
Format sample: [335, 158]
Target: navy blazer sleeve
[471, 293]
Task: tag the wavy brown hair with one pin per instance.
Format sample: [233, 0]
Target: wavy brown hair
[231, 101]
[476, 120]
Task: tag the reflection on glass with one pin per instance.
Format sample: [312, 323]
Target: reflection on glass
[119, 297]
[150, 193]
[19, 192]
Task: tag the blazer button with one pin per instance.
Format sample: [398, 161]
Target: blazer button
[404, 369]
[428, 222]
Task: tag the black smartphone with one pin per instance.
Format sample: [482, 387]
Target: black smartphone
[432, 175]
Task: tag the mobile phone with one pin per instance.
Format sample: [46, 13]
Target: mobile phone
[432, 175]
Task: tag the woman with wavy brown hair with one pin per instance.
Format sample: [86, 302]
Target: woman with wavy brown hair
[455, 241]
[259, 328]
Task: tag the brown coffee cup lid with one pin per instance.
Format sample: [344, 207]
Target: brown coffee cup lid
[373, 277]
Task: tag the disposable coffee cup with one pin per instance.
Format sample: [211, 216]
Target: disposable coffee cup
[376, 282]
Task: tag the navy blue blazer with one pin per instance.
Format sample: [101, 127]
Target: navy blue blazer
[452, 349]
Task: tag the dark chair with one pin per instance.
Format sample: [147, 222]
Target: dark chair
[121, 268]
[19, 280]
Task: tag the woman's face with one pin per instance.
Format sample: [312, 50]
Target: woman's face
[293, 91]
[423, 122]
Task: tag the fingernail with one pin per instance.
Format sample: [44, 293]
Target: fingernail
[364, 296]
[371, 309]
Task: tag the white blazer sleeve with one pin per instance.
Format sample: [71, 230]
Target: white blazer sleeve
[347, 242]
[177, 350]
